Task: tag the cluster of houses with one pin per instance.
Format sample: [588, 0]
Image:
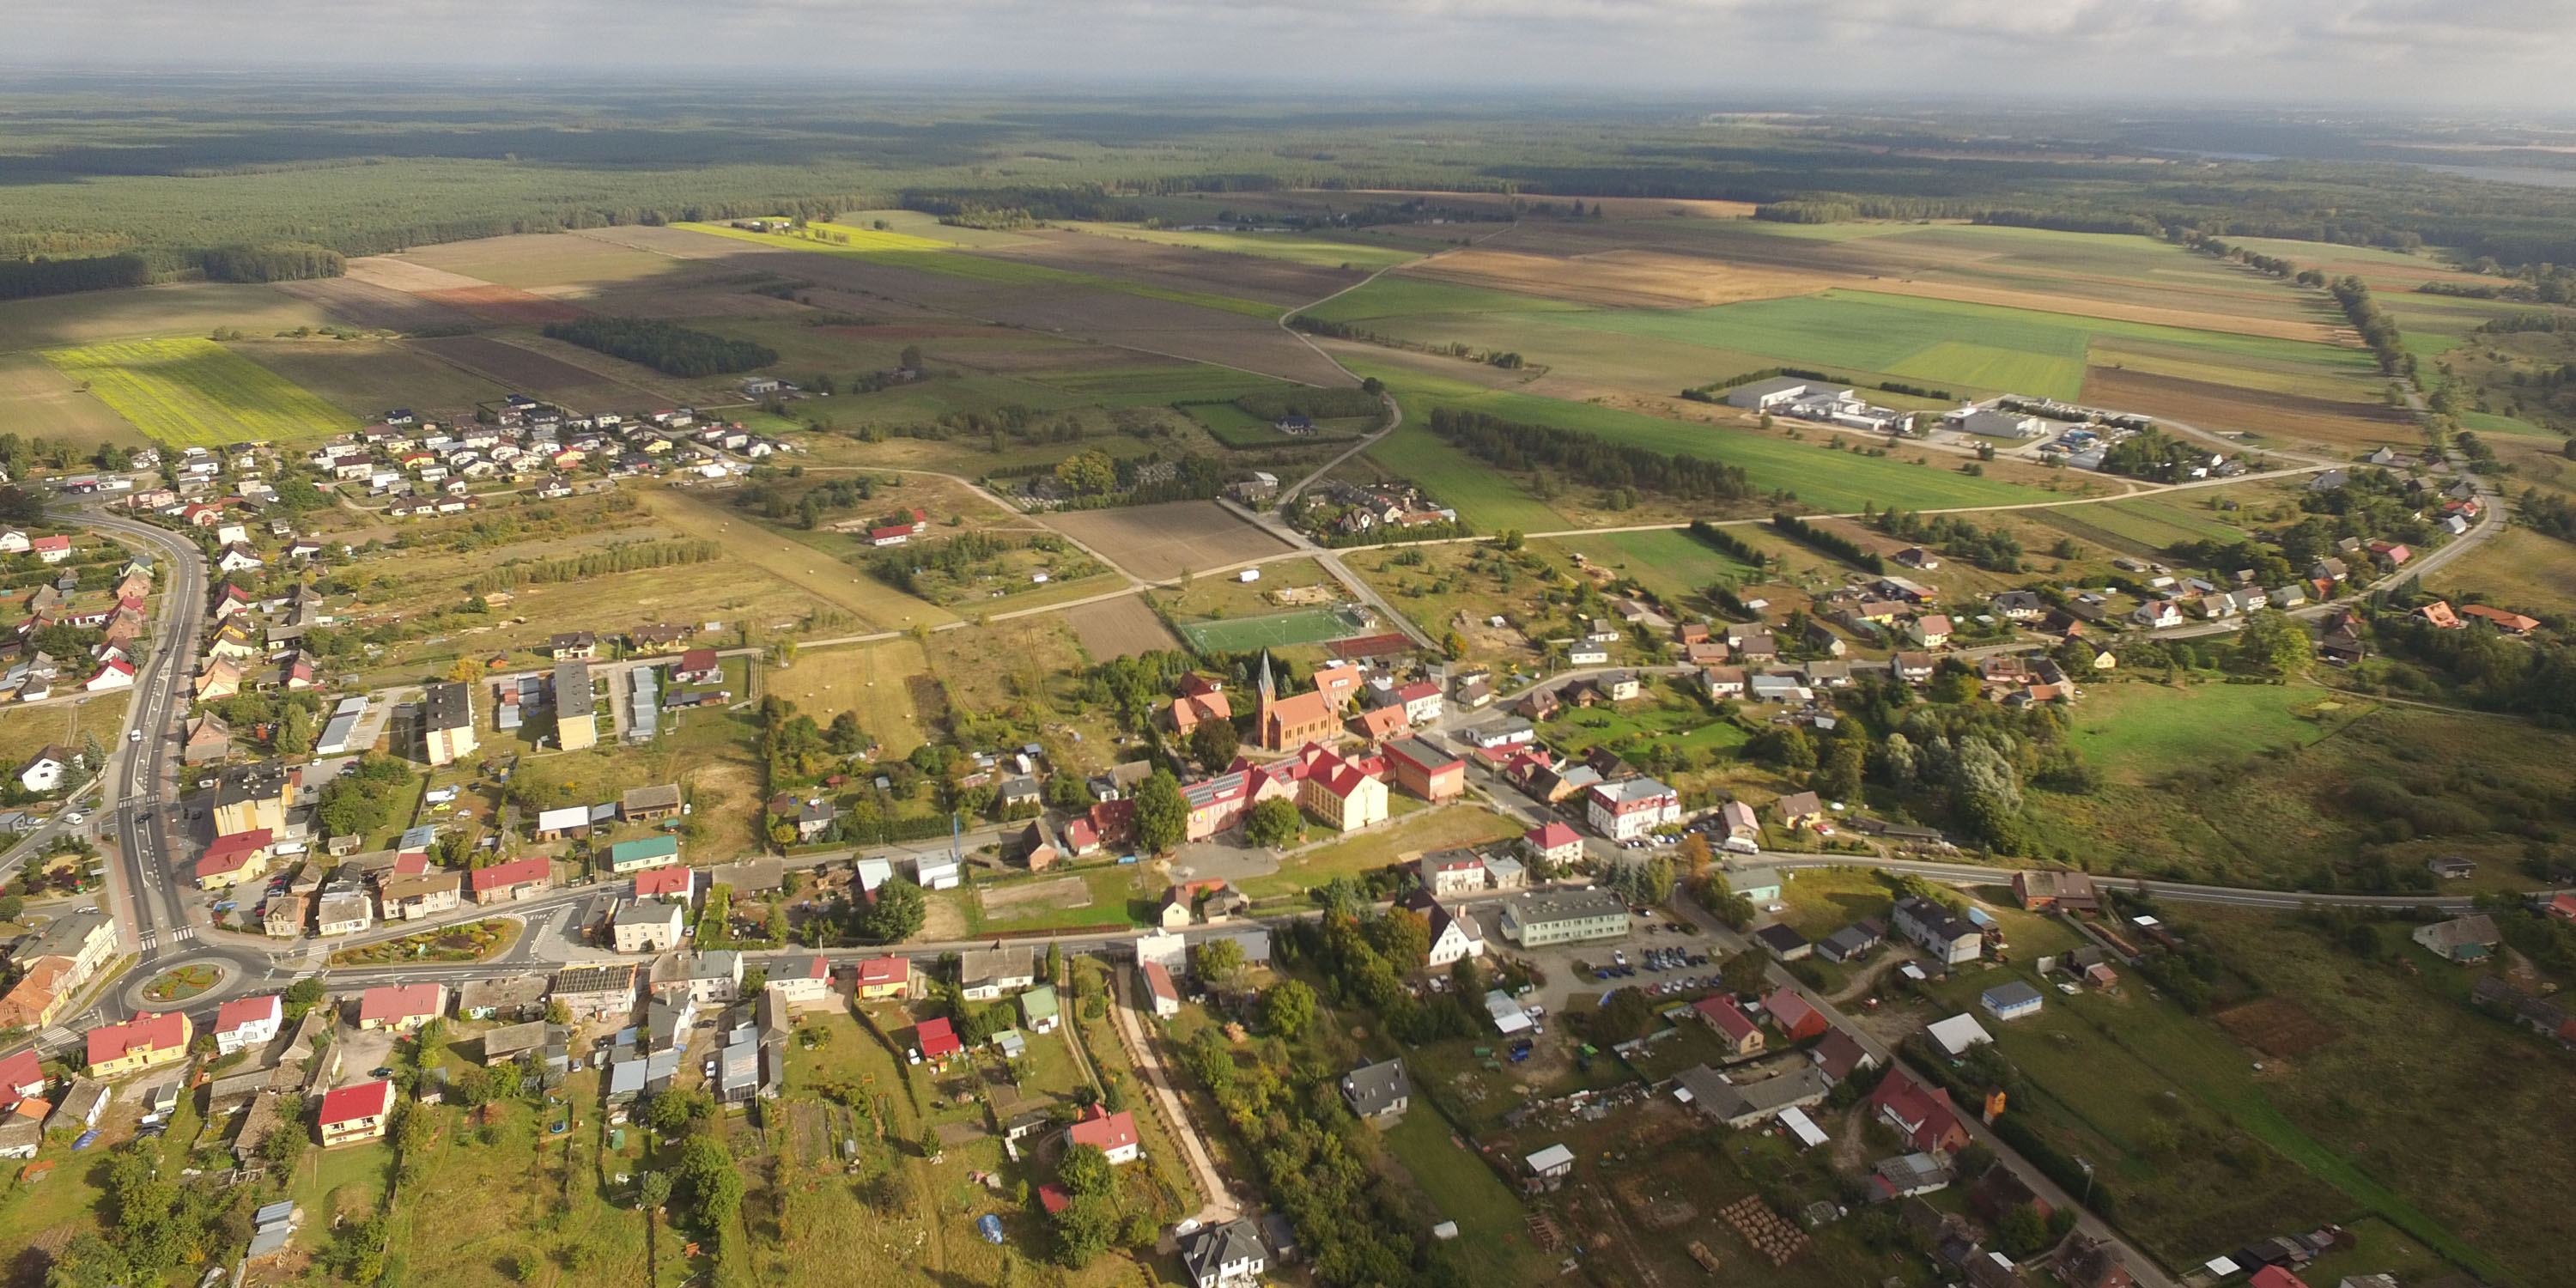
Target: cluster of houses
[255, 644]
[1340, 507]
[116, 610]
[522, 441]
[53, 965]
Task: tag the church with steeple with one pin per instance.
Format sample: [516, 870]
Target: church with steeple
[1291, 722]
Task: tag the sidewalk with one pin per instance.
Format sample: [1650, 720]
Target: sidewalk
[1220, 1207]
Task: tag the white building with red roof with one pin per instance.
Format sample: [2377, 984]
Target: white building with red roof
[1112, 1134]
[401, 1008]
[675, 881]
[248, 1022]
[1342, 794]
[1554, 844]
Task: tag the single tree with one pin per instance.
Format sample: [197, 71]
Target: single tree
[1162, 814]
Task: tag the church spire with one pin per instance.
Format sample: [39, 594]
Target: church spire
[1269, 690]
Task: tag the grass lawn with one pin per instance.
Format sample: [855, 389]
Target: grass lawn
[2517, 569]
[1430, 830]
[196, 392]
[1673, 564]
[1493, 1240]
[1824, 900]
[24, 731]
[2143, 731]
[1486, 501]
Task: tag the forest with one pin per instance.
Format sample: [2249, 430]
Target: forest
[667, 347]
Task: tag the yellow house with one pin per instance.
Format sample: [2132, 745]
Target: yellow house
[144, 1042]
[447, 722]
[1345, 798]
[254, 798]
[881, 977]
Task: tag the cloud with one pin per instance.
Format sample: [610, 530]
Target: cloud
[2233, 49]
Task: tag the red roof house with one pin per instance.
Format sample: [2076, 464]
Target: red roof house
[2275, 1277]
[937, 1039]
[518, 879]
[227, 857]
[20, 1076]
[671, 878]
[400, 1007]
[1794, 1016]
[1923, 1116]
[357, 1113]
[1112, 1134]
[1741, 1034]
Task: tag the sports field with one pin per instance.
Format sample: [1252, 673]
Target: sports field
[1243, 634]
[198, 393]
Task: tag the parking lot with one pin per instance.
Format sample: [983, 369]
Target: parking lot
[1654, 956]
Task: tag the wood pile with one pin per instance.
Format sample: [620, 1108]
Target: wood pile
[1767, 1231]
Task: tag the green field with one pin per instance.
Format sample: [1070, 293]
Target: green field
[1243, 634]
[2486, 422]
[1493, 1237]
[2144, 731]
[1819, 476]
[1670, 563]
[1397, 296]
[1988, 367]
[1145, 386]
[197, 393]
[931, 257]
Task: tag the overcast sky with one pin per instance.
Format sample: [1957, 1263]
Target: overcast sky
[2359, 51]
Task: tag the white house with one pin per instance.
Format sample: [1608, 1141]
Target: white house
[248, 1023]
[1454, 936]
[1220, 1256]
[1631, 807]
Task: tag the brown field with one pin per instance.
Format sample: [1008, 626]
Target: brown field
[901, 331]
[1611, 207]
[402, 275]
[1159, 542]
[1122, 627]
[674, 302]
[1128, 321]
[536, 373]
[505, 304]
[815, 573]
[40, 401]
[535, 260]
[1618, 278]
[1182, 268]
[874, 681]
[2276, 1027]
[365, 377]
[366, 304]
[2292, 416]
[180, 308]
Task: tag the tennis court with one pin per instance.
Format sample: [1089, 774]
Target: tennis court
[1244, 634]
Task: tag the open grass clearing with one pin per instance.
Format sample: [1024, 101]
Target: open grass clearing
[1671, 563]
[1494, 1239]
[1443, 828]
[26, 730]
[197, 393]
[2516, 569]
[2141, 731]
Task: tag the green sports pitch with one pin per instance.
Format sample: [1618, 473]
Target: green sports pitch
[1244, 634]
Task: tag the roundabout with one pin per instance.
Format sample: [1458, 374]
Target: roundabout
[179, 985]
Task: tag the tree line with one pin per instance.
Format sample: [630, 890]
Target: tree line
[1518, 445]
[2377, 329]
[633, 556]
[1832, 543]
[667, 347]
